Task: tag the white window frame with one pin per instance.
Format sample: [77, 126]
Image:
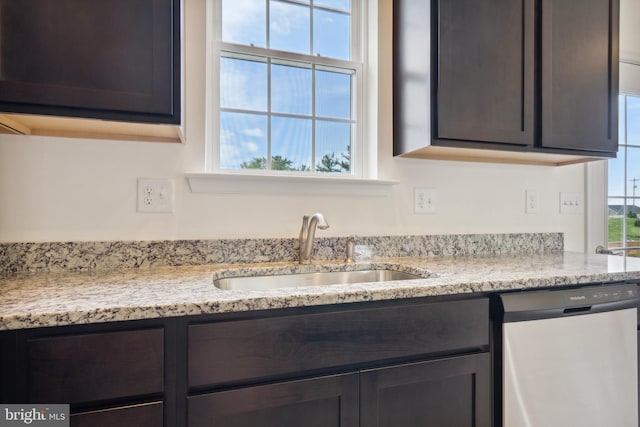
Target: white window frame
[216, 47]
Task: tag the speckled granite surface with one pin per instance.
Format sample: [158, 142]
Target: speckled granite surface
[29, 300]
[59, 256]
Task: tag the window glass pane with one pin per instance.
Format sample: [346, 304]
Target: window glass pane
[333, 94]
[331, 34]
[333, 147]
[633, 120]
[291, 144]
[633, 171]
[335, 4]
[615, 179]
[290, 90]
[615, 219]
[243, 141]
[633, 227]
[289, 27]
[244, 22]
[243, 84]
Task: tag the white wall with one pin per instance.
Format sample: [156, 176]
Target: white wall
[65, 189]
[629, 30]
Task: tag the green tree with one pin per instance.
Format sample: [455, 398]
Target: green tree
[330, 162]
[255, 163]
[278, 163]
[345, 162]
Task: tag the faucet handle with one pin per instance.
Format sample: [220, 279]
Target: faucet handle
[351, 243]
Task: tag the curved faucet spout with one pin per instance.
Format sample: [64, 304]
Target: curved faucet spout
[319, 221]
[308, 234]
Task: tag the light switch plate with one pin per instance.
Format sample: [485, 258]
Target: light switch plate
[570, 203]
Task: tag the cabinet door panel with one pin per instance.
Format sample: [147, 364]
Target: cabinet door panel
[91, 367]
[484, 80]
[445, 392]
[321, 402]
[89, 58]
[580, 74]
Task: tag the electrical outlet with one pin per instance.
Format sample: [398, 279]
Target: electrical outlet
[570, 203]
[155, 195]
[424, 200]
[532, 202]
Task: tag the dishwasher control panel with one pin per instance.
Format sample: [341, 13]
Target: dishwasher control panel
[600, 294]
[539, 304]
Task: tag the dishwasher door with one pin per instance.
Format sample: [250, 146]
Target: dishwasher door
[569, 358]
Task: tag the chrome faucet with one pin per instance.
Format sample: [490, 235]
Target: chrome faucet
[308, 233]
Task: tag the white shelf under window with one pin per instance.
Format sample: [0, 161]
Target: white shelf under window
[233, 183]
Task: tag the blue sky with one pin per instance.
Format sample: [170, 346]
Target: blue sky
[244, 82]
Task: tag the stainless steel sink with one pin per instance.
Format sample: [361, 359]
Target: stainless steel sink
[252, 283]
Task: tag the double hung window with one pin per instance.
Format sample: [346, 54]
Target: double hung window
[287, 86]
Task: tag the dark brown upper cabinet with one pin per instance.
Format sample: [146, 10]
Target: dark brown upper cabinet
[506, 81]
[579, 73]
[110, 60]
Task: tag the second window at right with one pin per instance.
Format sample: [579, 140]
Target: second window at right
[624, 182]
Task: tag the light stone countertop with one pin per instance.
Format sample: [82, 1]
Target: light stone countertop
[30, 300]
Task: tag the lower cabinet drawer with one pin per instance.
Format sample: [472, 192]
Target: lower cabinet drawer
[240, 351]
[97, 366]
[330, 401]
[145, 415]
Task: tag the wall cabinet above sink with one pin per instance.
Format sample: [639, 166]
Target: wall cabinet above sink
[105, 67]
[515, 82]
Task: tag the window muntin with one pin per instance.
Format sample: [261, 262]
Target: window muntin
[288, 86]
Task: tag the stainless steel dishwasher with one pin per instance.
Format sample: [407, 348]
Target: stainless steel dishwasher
[568, 357]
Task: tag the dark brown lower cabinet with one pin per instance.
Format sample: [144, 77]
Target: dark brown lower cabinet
[418, 362]
[330, 401]
[454, 391]
[145, 415]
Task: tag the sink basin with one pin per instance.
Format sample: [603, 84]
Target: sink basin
[252, 283]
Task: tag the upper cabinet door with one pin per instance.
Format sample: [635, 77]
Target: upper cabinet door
[107, 59]
[484, 80]
[579, 73]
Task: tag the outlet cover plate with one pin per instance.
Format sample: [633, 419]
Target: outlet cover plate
[532, 202]
[155, 195]
[425, 200]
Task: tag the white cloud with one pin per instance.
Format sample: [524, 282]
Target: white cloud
[255, 132]
[252, 147]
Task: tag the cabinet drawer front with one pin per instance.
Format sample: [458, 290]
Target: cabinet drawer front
[146, 415]
[84, 368]
[319, 402]
[244, 350]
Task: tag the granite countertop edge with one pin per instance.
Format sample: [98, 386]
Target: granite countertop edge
[33, 300]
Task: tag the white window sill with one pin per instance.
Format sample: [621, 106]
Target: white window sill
[233, 183]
